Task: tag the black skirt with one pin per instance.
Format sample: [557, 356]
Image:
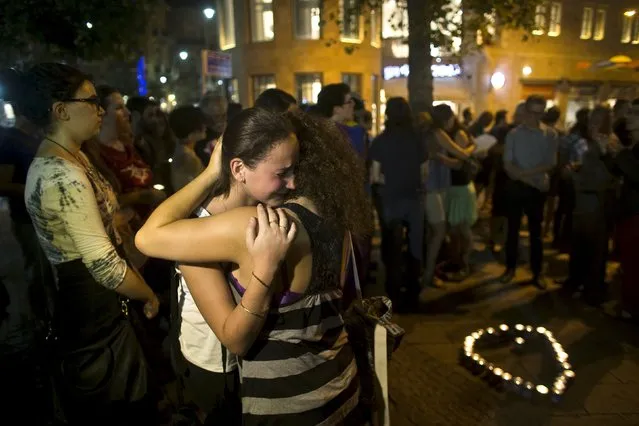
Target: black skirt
[97, 361]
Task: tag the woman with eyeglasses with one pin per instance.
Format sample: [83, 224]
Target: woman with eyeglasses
[100, 370]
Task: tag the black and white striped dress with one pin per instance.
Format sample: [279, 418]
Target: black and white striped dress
[301, 369]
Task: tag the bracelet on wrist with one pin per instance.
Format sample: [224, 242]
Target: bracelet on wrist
[260, 281]
[261, 316]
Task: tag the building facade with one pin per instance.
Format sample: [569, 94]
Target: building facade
[580, 53]
[300, 46]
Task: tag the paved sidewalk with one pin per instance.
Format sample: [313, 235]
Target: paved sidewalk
[428, 387]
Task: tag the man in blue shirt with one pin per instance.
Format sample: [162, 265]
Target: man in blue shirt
[530, 155]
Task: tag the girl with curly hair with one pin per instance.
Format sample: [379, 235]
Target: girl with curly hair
[282, 312]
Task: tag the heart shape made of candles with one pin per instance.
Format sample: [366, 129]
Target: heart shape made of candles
[474, 362]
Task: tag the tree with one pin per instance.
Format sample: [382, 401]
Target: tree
[452, 26]
[74, 29]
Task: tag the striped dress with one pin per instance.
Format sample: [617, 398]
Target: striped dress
[301, 369]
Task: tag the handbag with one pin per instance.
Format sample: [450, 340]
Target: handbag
[373, 337]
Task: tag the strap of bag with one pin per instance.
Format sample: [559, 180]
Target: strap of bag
[358, 287]
[380, 346]
[380, 356]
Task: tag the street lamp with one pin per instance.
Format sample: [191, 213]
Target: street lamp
[163, 79]
[184, 54]
[209, 13]
[89, 25]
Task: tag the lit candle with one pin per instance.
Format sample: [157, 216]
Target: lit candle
[507, 380]
[569, 375]
[519, 344]
[518, 384]
[479, 367]
[542, 390]
[556, 395]
[528, 389]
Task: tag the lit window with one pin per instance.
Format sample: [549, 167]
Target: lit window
[227, 27]
[307, 19]
[375, 31]
[635, 31]
[399, 48]
[350, 18]
[554, 26]
[261, 83]
[394, 19]
[540, 20]
[262, 20]
[600, 25]
[626, 28]
[307, 87]
[586, 23]
[354, 81]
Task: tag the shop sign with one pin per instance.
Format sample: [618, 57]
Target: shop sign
[438, 70]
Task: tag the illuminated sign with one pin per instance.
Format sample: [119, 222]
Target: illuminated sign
[438, 70]
[141, 76]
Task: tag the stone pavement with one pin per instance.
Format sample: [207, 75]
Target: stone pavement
[429, 387]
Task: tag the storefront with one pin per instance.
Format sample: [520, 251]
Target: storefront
[449, 85]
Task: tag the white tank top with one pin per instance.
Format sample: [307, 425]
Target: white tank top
[198, 343]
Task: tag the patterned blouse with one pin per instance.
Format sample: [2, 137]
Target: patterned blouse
[72, 209]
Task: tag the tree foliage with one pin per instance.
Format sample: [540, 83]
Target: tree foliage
[453, 26]
[32, 28]
[451, 20]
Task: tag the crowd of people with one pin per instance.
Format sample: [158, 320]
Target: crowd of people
[208, 248]
[575, 186]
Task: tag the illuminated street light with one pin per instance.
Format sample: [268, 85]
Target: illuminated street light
[163, 79]
[89, 25]
[630, 13]
[184, 54]
[209, 13]
[171, 97]
[526, 71]
[498, 80]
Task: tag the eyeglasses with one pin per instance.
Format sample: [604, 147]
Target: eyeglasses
[93, 100]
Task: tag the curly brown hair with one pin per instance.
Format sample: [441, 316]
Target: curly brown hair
[331, 174]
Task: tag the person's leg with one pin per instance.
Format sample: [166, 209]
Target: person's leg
[414, 219]
[209, 392]
[628, 235]
[393, 241]
[229, 408]
[560, 216]
[436, 214]
[534, 209]
[550, 207]
[594, 285]
[577, 267]
[515, 210]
